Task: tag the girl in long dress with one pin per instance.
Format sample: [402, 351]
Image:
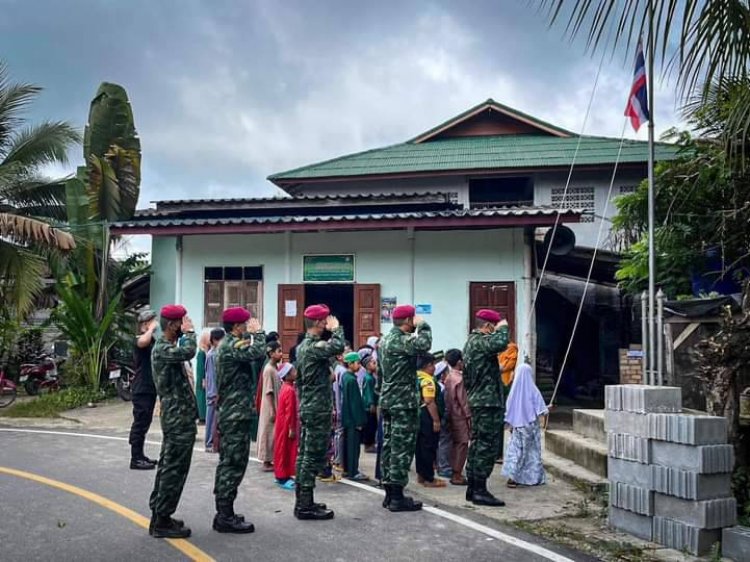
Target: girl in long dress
[270, 396]
[523, 411]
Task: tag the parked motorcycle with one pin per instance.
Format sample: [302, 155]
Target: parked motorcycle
[121, 375]
[39, 376]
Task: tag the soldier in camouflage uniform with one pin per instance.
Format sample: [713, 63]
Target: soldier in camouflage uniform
[483, 386]
[314, 367]
[399, 402]
[178, 416]
[234, 379]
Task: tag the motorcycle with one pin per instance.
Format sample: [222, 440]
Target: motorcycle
[42, 375]
[122, 375]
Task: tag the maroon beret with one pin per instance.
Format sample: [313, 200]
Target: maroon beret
[235, 315]
[403, 311]
[489, 315]
[173, 312]
[317, 312]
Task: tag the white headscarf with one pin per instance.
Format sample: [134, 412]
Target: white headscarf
[525, 403]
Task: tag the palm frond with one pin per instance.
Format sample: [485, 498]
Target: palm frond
[14, 98]
[24, 230]
[45, 143]
[21, 277]
[36, 197]
[702, 40]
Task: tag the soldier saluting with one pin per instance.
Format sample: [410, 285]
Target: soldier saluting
[483, 386]
[399, 402]
[314, 367]
[178, 415]
[234, 377]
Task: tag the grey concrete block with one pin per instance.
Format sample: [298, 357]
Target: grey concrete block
[640, 526]
[645, 399]
[613, 397]
[679, 536]
[690, 485]
[706, 514]
[631, 498]
[629, 447]
[735, 544]
[626, 422]
[705, 459]
[628, 472]
[685, 428]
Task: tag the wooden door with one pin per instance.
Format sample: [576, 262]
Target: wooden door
[366, 313]
[290, 319]
[499, 296]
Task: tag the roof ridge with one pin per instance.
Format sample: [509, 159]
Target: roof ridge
[488, 103]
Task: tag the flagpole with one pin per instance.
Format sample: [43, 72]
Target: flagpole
[651, 351]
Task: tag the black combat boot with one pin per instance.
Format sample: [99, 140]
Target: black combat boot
[400, 502]
[178, 522]
[470, 483]
[305, 508]
[482, 496]
[168, 528]
[141, 464]
[226, 521]
[387, 498]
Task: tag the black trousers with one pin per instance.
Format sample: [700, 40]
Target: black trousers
[143, 413]
[427, 445]
[370, 429]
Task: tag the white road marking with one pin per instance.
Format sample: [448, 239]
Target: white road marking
[468, 523]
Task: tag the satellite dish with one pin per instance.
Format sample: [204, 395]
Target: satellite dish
[564, 242]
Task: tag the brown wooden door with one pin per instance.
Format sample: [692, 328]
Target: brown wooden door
[366, 313]
[499, 296]
[291, 300]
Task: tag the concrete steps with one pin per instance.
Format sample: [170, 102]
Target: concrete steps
[589, 453]
[569, 471]
[590, 423]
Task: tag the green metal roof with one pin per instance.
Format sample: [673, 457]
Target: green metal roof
[502, 152]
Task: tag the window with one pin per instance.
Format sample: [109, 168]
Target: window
[625, 189]
[231, 286]
[501, 192]
[577, 198]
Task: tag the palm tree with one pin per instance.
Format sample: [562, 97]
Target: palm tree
[29, 201]
[702, 41]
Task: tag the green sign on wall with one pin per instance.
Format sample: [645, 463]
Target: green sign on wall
[334, 268]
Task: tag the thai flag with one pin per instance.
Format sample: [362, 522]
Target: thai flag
[637, 108]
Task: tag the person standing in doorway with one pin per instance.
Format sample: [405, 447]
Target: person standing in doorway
[314, 356]
[483, 386]
[269, 385]
[399, 402]
[178, 416]
[244, 343]
[143, 391]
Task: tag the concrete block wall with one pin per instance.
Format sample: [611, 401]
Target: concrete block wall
[630, 367]
[669, 471]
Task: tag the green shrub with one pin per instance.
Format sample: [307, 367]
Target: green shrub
[741, 489]
[50, 405]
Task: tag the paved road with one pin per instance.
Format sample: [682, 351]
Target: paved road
[102, 517]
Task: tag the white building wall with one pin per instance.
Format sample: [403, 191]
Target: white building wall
[444, 263]
[586, 232]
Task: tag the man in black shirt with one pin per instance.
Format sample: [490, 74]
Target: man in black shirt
[143, 391]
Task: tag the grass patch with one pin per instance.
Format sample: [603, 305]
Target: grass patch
[50, 405]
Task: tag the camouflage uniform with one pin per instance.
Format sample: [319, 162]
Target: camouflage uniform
[234, 379]
[178, 415]
[399, 399]
[484, 389]
[314, 367]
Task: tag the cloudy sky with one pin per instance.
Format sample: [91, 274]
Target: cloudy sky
[226, 92]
